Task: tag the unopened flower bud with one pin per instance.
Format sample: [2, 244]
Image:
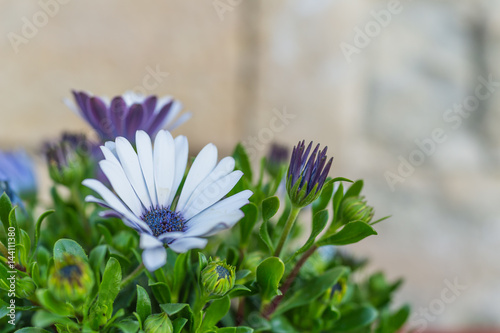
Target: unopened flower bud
[218, 277]
[158, 323]
[25, 287]
[71, 279]
[338, 291]
[307, 174]
[356, 209]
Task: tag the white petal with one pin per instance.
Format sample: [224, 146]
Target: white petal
[154, 258]
[208, 220]
[212, 193]
[72, 106]
[109, 155]
[122, 186]
[201, 168]
[164, 166]
[172, 113]
[145, 154]
[112, 148]
[181, 158]
[128, 218]
[181, 120]
[132, 168]
[182, 245]
[225, 166]
[147, 241]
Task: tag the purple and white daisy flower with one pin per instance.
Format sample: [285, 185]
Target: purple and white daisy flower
[126, 114]
[149, 198]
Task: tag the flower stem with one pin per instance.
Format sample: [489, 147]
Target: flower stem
[198, 308]
[132, 276]
[268, 311]
[294, 212]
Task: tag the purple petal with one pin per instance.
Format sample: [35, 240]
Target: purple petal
[133, 121]
[149, 107]
[117, 112]
[160, 118]
[99, 112]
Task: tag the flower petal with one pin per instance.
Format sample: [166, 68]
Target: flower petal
[211, 194]
[147, 241]
[164, 166]
[182, 245]
[128, 218]
[145, 154]
[122, 186]
[154, 258]
[181, 120]
[205, 222]
[201, 168]
[223, 168]
[181, 158]
[132, 168]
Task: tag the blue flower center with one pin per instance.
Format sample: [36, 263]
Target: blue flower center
[162, 220]
[70, 271]
[222, 272]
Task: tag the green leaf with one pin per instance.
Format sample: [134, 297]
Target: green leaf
[68, 246]
[180, 271]
[355, 189]
[127, 326]
[319, 223]
[215, 312]
[96, 258]
[143, 307]
[161, 291]
[264, 235]
[32, 330]
[239, 329]
[53, 305]
[337, 200]
[311, 290]
[39, 225]
[247, 223]
[351, 233]
[5, 209]
[324, 198]
[269, 274]
[173, 308]
[202, 262]
[43, 318]
[392, 323]
[270, 207]
[243, 161]
[105, 233]
[178, 324]
[110, 285]
[356, 318]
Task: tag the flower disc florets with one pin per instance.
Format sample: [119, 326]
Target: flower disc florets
[162, 220]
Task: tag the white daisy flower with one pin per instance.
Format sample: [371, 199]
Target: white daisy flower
[148, 197]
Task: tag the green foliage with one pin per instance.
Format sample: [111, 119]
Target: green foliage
[307, 286]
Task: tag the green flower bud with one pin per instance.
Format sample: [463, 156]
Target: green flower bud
[356, 209]
[25, 287]
[158, 323]
[71, 280]
[218, 277]
[337, 292]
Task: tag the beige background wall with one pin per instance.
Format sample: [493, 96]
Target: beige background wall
[235, 70]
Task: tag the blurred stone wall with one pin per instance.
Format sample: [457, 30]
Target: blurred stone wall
[379, 82]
